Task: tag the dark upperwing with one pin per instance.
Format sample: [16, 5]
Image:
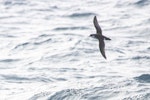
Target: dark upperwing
[98, 28]
[102, 48]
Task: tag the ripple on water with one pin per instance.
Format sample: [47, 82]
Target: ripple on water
[31, 45]
[9, 60]
[42, 42]
[142, 2]
[6, 35]
[24, 46]
[143, 78]
[22, 79]
[69, 28]
[145, 96]
[83, 14]
[140, 57]
[138, 3]
[14, 2]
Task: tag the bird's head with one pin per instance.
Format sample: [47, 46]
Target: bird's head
[93, 35]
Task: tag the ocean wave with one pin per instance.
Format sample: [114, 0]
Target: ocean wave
[143, 78]
[69, 94]
[104, 92]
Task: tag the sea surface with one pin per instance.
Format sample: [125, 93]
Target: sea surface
[46, 52]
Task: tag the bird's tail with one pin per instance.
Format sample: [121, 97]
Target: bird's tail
[106, 38]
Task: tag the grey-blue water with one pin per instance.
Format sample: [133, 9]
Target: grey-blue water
[46, 52]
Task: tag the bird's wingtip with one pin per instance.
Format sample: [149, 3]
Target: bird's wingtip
[105, 57]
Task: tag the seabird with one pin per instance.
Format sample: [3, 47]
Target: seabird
[100, 37]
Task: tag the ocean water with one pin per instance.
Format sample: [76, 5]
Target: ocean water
[46, 52]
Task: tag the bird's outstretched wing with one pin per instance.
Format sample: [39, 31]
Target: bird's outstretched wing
[102, 48]
[98, 28]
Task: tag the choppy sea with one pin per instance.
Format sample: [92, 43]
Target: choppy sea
[46, 52]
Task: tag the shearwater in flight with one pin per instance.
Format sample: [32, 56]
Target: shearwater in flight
[100, 37]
